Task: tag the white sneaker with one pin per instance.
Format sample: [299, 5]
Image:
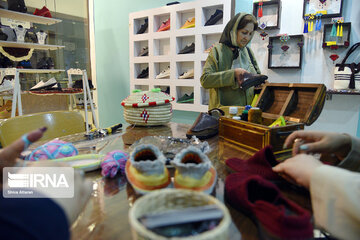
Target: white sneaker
[164, 74]
[7, 85]
[187, 74]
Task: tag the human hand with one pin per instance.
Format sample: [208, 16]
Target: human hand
[298, 169]
[319, 142]
[239, 75]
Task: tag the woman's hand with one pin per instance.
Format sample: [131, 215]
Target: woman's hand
[239, 75]
[298, 169]
[319, 142]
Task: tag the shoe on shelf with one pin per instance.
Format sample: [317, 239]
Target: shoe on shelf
[144, 73]
[7, 85]
[79, 84]
[186, 98]
[252, 80]
[143, 27]
[190, 23]
[194, 171]
[164, 26]
[17, 5]
[275, 216]
[144, 51]
[45, 63]
[24, 64]
[164, 74]
[44, 12]
[44, 85]
[188, 74]
[190, 48]
[206, 125]
[214, 18]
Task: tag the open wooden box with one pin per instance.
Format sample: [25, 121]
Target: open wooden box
[299, 104]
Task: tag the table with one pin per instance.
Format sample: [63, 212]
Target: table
[106, 214]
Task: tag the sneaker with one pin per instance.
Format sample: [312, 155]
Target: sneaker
[164, 74]
[7, 85]
[145, 169]
[187, 74]
[186, 98]
[194, 171]
[144, 52]
[44, 12]
[190, 23]
[164, 26]
[143, 27]
[17, 5]
[144, 73]
[44, 85]
[214, 18]
[190, 48]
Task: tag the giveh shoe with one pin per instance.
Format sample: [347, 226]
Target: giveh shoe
[7, 85]
[260, 163]
[214, 18]
[251, 80]
[187, 74]
[44, 85]
[194, 171]
[146, 169]
[190, 23]
[164, 74]
[143, 27]
[44, 12]
[190, 48]
[275, 216]
[206, 125]
[186, 98]
[164, 26]
[144, 73]
[17, 5]
[144, 52]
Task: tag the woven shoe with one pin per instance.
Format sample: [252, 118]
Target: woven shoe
[186, 98]
[190, 23]
[146, 169]
[214, 18]
[164, 26]
[275, 216]
[144, 73]
[252, 80]
[164, 74]
[43, 85]
[194, 171]
[187, 74]
[143, 27]
[144, 52]
[206, 125]
[190, 48]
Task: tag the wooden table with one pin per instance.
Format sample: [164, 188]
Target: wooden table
[106, 214]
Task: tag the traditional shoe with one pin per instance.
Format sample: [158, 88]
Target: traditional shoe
[276, 217]
[164, 74]
[144, 52]
[187, 74]
[17, 5]
[190, 48]
[144, 73]
[190, 23]
[164, 26]
[146, 169]
[44, 12]
[143, 27]
[194, 171]
[206, 125]
[260, 163]
[251, 80]
[43, 85]
[186, 98]
[214, 18]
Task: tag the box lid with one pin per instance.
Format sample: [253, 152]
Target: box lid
[154, 97]
[296, 102]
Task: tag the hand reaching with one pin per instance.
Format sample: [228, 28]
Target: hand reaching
[239, 75]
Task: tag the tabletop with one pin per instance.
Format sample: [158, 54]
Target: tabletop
[106, 214]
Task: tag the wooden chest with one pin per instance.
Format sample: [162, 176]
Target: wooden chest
[299, 104]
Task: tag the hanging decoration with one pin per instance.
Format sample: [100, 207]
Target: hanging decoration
[311, 23]
[263, 34]
[322, 3]
[318, 22]
[334, 57]
[306, 27]
[260, 9]
[284, 38]
[333, 29]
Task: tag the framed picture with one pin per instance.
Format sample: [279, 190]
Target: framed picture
[285, 51]
[268, 12]
[328, 8]
[340, 39]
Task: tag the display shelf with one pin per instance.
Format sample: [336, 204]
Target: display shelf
[164, 48]
[29, 45]
[28, 17]
[23, 70]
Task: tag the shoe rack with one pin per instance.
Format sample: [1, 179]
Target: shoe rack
[164, 48]
[25, 18]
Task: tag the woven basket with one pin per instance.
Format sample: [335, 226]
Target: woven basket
[172, 199]
[148, 108]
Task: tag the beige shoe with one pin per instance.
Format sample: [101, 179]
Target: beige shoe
[188, 74]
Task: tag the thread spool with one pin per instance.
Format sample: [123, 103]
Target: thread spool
[254, 115]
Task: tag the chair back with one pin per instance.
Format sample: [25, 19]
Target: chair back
[58, 123]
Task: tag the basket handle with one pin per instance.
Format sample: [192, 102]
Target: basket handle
[351, 50]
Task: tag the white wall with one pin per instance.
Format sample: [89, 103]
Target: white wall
[341, 114]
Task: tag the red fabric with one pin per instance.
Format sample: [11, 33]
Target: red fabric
[263, 201]
[260, 163]
[44, 12]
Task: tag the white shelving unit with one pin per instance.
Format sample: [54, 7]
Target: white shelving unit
[164, 47]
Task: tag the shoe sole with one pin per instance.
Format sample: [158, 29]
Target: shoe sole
[202, 137]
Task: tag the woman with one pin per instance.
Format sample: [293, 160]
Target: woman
[227, 62]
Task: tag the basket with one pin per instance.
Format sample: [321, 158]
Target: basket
[148, 108]
[171, 199]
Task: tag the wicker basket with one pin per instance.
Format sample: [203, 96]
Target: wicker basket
[148, 108]
[161, 200]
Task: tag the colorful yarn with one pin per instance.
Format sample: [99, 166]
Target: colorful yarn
[53, 150]
[113, 162]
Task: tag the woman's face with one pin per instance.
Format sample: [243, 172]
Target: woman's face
[245, 34]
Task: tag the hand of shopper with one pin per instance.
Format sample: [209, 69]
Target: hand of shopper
[239, 75]
[319, 142]
[298, 169]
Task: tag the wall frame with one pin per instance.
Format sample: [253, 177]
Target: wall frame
[344, 41]
[271, 13]
[329, 8]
